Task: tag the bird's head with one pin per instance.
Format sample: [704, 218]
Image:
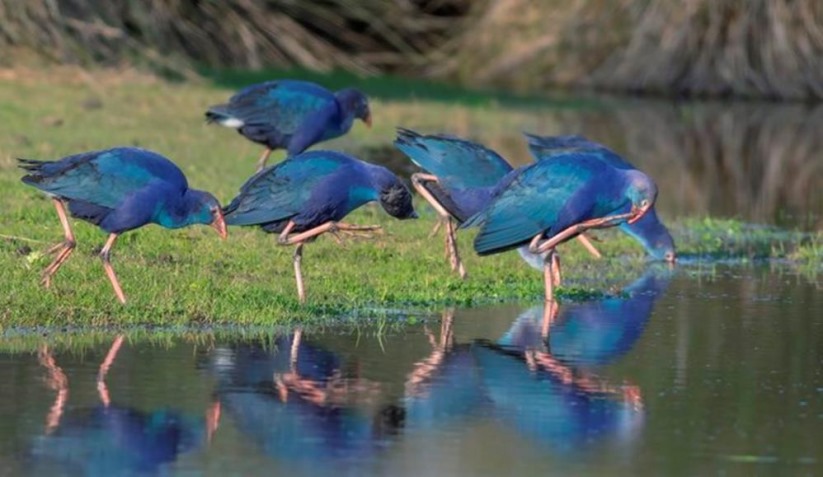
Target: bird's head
[642, 192]
[203, 208]
[397, 201]
[355, 101]
[654, 236]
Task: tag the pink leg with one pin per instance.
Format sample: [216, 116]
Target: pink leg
[556, 268]
[443, 217]
[104, 255]
[102, 389]
[63, 249]
[261, 163]
[576, 230]
[451, 245]
[58, 381]
[212, 420]
[331, 227]
[295, 348]
[436, 227]
[550, 311]
[298, 273]
[548, 280]
[589, 246]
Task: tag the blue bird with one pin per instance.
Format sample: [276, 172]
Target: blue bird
[556, 405]
[591, 333]
[118, 190]
[290, 114]
[310, 193]
[548, 202]
[537, 374]
[444, 387]
[293, 402]
[648, 230]
[461, 177]
[110, 439]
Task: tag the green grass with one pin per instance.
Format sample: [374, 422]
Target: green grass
[190, 278]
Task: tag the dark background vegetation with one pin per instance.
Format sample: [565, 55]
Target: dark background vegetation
[743, 48]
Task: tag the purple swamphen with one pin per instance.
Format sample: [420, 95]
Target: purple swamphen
[461, 176]
[310, 193]
[119, 189]
[290, 114]
[648, 230]
[548, 202]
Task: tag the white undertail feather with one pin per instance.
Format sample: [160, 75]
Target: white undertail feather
[230, 122]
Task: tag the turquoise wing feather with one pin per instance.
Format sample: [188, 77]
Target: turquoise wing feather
[541, 197]
[281, 191]
[284, 103]
[456, 162]
[104, 177]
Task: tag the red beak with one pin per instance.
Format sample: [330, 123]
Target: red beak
[637, 213]
[219, 224]
[367, 120]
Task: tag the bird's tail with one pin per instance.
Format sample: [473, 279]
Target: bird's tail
[37, 170]
[221, 115]
[30, 165]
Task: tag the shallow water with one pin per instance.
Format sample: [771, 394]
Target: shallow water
[704, 370]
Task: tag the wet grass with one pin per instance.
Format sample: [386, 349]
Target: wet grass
[191, 278]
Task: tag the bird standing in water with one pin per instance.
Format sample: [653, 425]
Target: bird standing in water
[118, 190]
[459, 180]
[290, 114]
[648, 230]
[546, 203]
[310, 193]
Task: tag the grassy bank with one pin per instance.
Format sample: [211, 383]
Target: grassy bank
[190, 277]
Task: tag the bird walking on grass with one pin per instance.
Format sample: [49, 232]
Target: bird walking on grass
[648, 230]
[310, 193]
[290, 114]
[548, 202]
[118, 189]
[459, 180]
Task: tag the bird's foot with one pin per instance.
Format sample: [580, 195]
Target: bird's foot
[340, 231]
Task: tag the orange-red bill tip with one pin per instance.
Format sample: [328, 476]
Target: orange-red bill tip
[219, 224]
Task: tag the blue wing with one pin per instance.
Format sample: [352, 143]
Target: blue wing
[283, 105]
[649, 230]
[546, 197]
[456, 162]
[546, 147]
[281, 191]
[104, 178]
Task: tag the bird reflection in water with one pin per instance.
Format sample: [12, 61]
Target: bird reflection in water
[444, 386]
[539, 375]
[296, 404]
[111, 439]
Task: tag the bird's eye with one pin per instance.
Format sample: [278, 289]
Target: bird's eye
[644, 203]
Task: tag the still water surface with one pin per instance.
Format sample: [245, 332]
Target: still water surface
[700, 371]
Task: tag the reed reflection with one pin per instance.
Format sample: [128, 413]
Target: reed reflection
[110, 439]
[295, 404]
[539, 376]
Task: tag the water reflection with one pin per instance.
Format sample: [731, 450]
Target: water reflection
[295, 404]
[443, 388]
[495, 391]
[110, 439]
[537, 378]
